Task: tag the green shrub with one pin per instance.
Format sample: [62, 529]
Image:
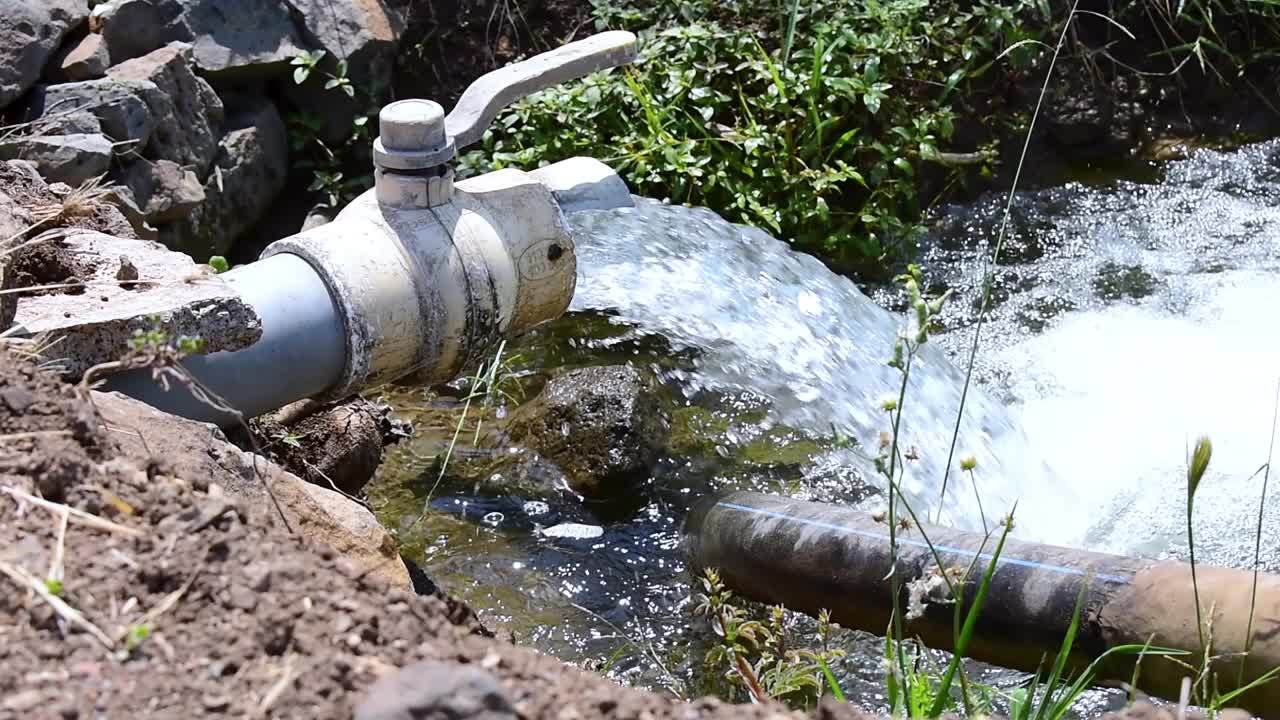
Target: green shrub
[818, 140]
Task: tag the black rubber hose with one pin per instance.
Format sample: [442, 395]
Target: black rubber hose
[809, 557]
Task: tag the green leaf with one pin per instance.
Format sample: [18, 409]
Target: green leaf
[218, 263]
[872, 101]
[904, 166]
[300, 75]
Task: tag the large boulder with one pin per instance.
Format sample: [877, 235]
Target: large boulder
[85, 58]
[235, 39]
[70, 159]
[22, 182]
[250, 171]
[122, 107]
[188, 113]
[132, 284]
[603, 426]
[163, 190]
[30, 31]
[200, 452]
[365, 35]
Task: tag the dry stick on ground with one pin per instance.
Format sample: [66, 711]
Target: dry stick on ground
[165, 362]
[277, 689]
[80, 517]
[59, 548]
[68, 613]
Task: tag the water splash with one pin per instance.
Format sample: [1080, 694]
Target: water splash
[1136, 317]
[779, 324]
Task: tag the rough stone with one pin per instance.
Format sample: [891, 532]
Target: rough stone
[188, 113]
[199, 452]
[337, 446]
[84, 59]
[603, 426]
[250, 171]
[364, 33]
[123, 108]
[76, 122]
[434, 690]
[71, 159]
[94, 326]
[234, 39]
[29, 33]
[122, 198]
[165, 190]
[14, 221]
[21, 180]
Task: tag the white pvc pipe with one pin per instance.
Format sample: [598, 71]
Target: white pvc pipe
[382, 293]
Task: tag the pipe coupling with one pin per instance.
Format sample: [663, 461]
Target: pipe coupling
[425, 291]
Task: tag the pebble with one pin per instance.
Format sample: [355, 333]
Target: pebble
[430, 689]
[576, 531]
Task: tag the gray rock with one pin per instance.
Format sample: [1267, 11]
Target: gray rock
[122, 198]
[200, 453]
[233, 39]
[433, 690]
[14, 222]
[71, 159]
[340, 446]
[123, 108]
[96, 326]
[76, 122]
[29, 33]
[252, 165]
[188, 113]
[22, 182]
[84, 59]
[364, 34]
[165, 190]
[603, 426]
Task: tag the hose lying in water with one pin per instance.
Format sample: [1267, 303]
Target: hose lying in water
[809, 557]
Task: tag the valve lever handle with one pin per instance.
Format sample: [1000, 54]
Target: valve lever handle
[489, 94]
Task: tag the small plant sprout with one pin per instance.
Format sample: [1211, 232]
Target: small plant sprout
[219, 264]
[305, 63]
[54, 586]
[136, 635]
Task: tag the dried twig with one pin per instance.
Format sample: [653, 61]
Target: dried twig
[65, 611]
[60, 548]
[278, 688]
[79, 516]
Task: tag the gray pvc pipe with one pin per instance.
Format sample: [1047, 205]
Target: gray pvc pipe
[301, 353]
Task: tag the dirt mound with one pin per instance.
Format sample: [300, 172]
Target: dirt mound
[149, 596]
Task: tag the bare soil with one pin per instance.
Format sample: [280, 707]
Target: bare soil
[194, 604]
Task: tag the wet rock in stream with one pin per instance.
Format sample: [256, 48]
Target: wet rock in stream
[604, 427]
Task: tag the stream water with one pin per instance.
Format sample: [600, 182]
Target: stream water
[1130, 316]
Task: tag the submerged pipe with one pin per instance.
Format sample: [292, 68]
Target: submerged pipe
[419, 276]
[809, 557]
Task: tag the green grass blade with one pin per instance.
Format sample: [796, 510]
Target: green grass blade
[970, 622]
[832, 684]
[790, 37]
[1064, 653]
